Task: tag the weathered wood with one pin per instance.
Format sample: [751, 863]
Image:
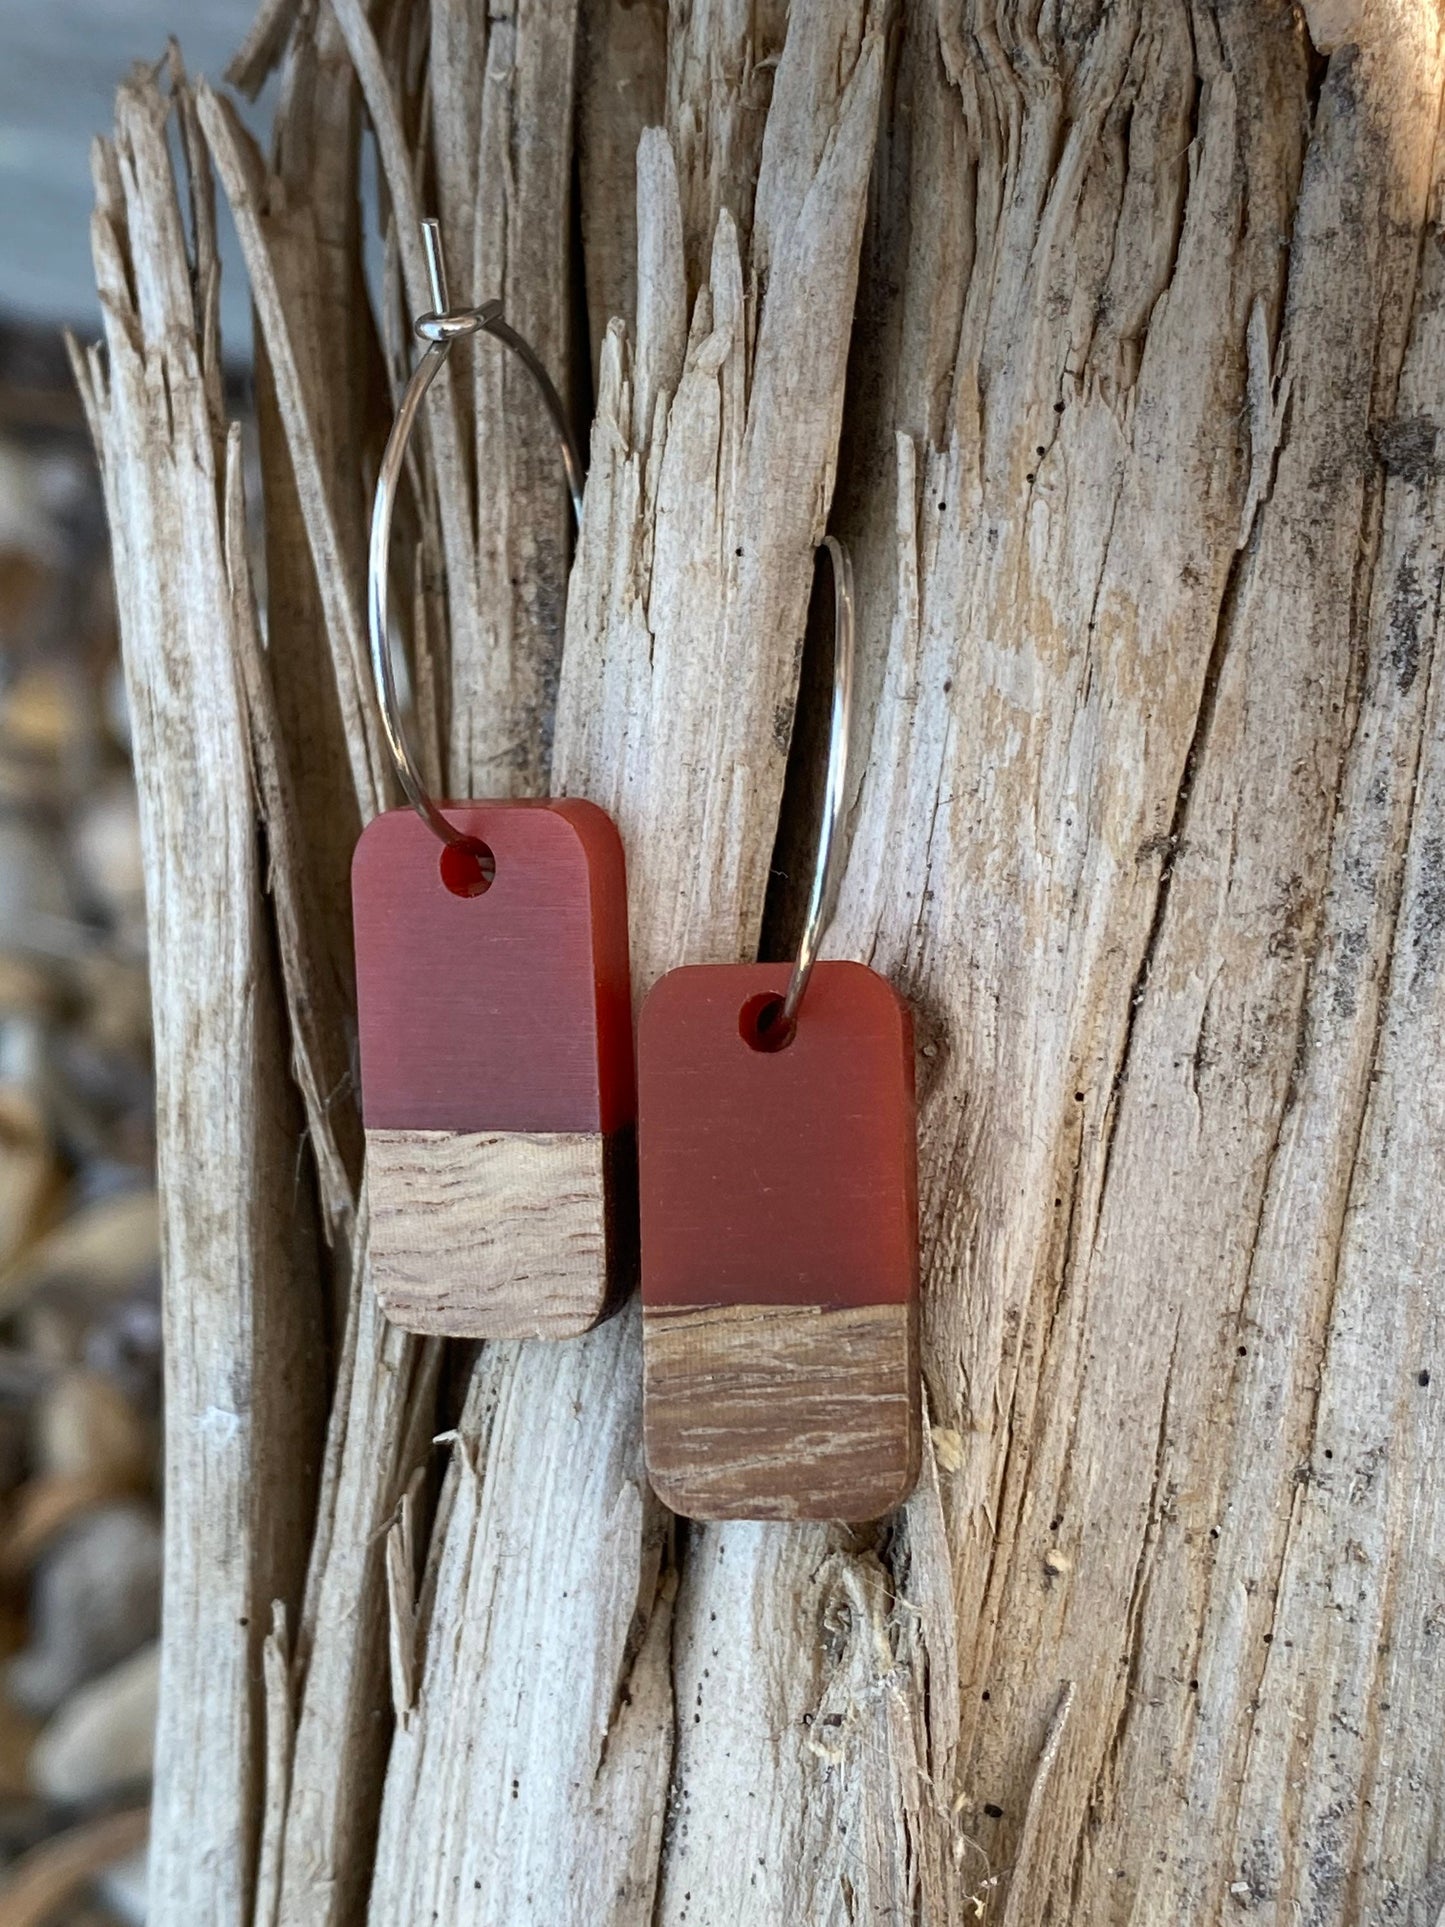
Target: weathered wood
[1139, 468]
[622, 84]
[243, 1359]
[733, 451]
[310, 215]
[320, 1815]
[489, 1234]
[384, 1396]
[382, 1419]
[1120, 681]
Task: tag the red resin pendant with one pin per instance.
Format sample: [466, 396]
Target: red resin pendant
[779, 1222]
[496, 1067]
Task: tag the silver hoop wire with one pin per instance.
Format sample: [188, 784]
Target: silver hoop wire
[439, 329]
[820, 900]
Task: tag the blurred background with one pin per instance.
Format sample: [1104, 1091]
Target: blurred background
[80, 1320]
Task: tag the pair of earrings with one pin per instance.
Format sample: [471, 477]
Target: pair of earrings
[759, 1146]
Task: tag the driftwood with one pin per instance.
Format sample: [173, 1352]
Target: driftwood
[237, 1236]
[1111, 343]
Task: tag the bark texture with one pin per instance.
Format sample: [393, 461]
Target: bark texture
[1110, 338]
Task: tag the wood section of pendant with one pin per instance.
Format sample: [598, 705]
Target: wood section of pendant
[495, 1022]
[779, 1218]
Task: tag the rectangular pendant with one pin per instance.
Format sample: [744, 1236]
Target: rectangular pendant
[779, 1221]
[496, 1068]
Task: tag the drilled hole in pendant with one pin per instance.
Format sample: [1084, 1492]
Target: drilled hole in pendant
[467, 867]
[761, 1023]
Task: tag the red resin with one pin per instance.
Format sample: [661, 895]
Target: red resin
[777, 1176]
[504, 1010]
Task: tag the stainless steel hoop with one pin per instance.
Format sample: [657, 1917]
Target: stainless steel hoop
[439, 329]
[820, 900]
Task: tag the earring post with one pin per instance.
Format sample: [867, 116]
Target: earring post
[436, 265]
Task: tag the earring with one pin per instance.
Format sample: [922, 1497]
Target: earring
[779, 1214]
[493, 1000]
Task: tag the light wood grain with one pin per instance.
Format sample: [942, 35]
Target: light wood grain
[1142, 660]
[1140, 399]
[489, 1234]
[242, 1292]
[715, 433]
[750, 1405]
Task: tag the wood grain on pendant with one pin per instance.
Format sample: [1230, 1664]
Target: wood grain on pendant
[496, 1068]
[778, 1199]
[488, 1235]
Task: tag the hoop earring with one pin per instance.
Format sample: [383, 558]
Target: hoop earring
[493, 999]
[779, 1214]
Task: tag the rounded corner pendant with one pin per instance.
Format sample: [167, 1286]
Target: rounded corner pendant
[779, 1231]
[498, 1096]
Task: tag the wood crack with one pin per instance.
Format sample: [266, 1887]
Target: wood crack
[1172, 846]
